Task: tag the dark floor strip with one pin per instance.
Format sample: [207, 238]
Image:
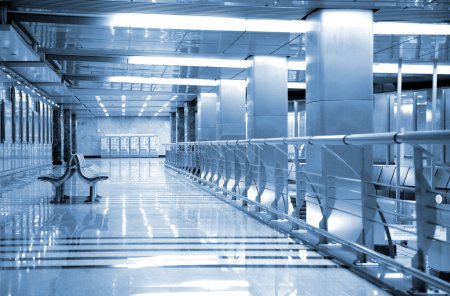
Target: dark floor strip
[296, 266]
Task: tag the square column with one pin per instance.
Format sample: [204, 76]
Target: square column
[339, 99]
[231, 108]
[180, 125]
[267, 107]
[190, 108]
[74, 133]
[67, 114]
[173, 127]
[207, 117]
[56, 143]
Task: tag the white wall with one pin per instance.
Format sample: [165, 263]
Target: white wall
[89, 130]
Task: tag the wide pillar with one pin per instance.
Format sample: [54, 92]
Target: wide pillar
[267, 107]
[56, 141]
[190, 108]
[180, 125]
[173, 127]
[231, 110]
[67, 115]
[207, 117]
[339, 82]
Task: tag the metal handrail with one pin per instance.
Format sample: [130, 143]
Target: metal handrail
[428, 137]
[434, 281]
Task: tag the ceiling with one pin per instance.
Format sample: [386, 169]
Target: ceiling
[80, 50]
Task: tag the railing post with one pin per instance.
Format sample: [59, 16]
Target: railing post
[300, 185]
[424, 218]
[329, 192]
[368, 203]
[248, 174]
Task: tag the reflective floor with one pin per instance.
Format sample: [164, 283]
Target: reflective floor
[152, 233]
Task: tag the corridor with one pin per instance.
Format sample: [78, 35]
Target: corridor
[152, 233]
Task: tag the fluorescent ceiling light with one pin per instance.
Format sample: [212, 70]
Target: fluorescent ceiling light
[205, 23]
[401, 28]
[189, 61]
[124, 105]
[158, 80]
[203, 62]
[166, 104]
[160, 110]
[102, 105]
[392, 68]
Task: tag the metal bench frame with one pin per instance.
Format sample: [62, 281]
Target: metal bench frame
[58, 180]
[89, 176]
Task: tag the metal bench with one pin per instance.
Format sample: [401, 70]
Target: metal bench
[89, 176]
[58, 180]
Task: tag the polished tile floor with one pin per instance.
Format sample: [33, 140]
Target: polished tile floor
[152, 233]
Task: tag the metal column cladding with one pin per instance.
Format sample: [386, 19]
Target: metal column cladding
[67, 148]
[231, 110]
[267, 107]
[173, 127]
[207, 117]
[180, 124]
[339, 82]
[190, 108]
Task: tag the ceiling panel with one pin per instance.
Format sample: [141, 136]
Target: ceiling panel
[13, 47]
[77, 40]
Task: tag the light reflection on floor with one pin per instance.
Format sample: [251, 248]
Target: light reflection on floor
[153, 233]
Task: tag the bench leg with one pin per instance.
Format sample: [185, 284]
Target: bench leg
[92, 194]
[59, 193]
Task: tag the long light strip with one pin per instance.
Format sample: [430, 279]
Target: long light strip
[203, 62]
[210, 23]
[189, 61]
[207, 23]
[392, 68]
[401, 28]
